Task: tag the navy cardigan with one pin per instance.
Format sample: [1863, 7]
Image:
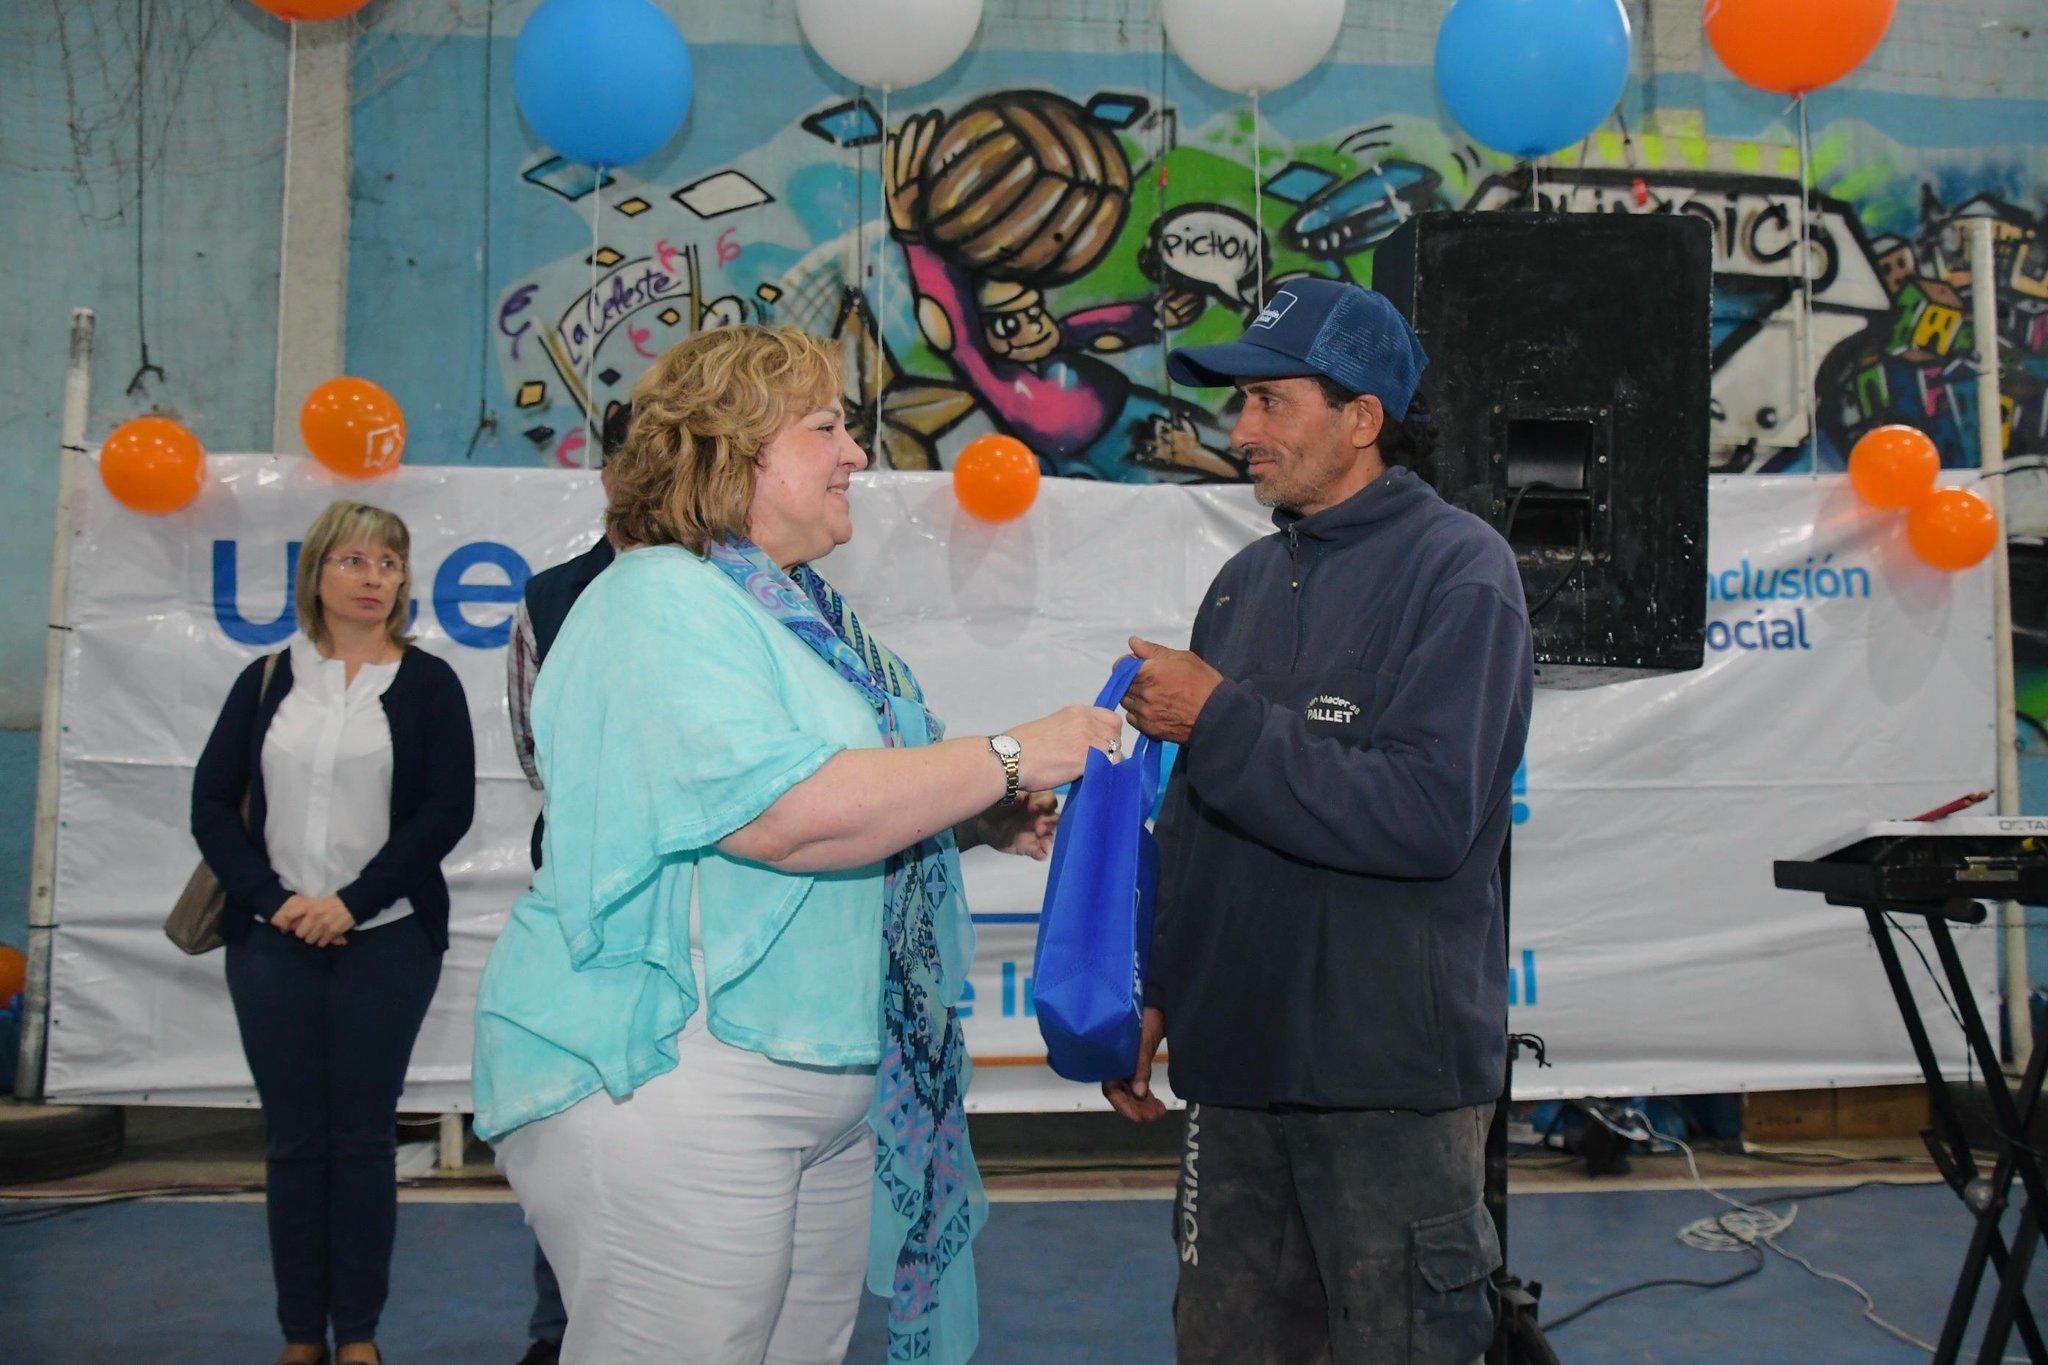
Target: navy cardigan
[433, 797]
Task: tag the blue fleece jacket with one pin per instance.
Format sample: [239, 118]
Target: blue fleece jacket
[1329, 929]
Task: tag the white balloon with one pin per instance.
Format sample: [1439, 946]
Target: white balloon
[891, 44]
[1252, 46]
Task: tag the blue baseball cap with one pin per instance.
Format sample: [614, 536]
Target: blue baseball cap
[1343, 332]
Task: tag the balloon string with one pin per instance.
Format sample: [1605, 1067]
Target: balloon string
[1258, 200]
[860, 204]
[1807, 401]
[591, 314]
[881, 293]
[1159, 150]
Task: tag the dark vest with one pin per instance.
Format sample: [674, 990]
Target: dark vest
[549, 595]
[551, 592]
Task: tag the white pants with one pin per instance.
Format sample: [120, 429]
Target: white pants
[718, 1217]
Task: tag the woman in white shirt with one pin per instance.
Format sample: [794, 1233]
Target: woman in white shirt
[358, 769]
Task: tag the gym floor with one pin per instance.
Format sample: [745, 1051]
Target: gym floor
[1076, 1263]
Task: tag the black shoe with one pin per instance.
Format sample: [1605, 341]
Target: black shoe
[542, 1353]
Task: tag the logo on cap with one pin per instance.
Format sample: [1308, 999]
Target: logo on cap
[1274, 311]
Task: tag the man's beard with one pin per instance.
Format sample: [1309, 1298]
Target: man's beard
[1279, 499]
[1274, 491]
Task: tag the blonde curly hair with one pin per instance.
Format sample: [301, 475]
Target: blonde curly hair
[701, 414]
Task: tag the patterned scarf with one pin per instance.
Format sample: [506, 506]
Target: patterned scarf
[928, 1196]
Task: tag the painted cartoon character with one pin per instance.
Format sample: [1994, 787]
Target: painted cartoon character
[1018, 193]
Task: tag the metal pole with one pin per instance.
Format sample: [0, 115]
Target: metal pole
[1809, 406]
[1258, 200]
[1991, 457]
[42, 918]
[883, 241]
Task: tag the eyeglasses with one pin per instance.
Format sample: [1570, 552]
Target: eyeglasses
[359, 565]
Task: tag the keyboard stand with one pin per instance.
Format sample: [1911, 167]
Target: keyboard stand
[2011, 1111]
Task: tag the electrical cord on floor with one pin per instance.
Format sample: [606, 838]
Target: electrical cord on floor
[1822, 1158]
[1744, 1228]
[1527, 1162]
[41, 1210]
[38, 1208]
[1755, 1267]
[1831, 1192]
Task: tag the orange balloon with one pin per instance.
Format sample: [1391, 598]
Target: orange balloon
[153, 465]
[996, 477]
[1793, 46]
[1894, 466]
[311, 9]
[13, 972]
[353, 427]
[1952, 528]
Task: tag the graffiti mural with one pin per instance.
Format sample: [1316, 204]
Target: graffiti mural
[1023, 260]
[1919, 366]
[1015, 195]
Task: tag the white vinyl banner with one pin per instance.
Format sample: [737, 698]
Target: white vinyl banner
[1843, 683]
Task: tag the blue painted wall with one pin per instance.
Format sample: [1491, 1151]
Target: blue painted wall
[17, 831]
[198, 208]
[78, 210]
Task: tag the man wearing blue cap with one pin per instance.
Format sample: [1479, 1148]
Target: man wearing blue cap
[1329, 955]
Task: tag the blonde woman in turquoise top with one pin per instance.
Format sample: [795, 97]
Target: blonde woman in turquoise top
[716, 1043]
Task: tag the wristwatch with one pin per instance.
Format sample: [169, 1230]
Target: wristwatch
[1011, 753]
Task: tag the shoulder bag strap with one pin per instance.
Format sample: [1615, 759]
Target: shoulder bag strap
[262, 691]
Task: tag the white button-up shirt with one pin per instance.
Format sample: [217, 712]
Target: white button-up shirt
[327, 776]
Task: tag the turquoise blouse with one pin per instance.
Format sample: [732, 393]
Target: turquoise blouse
[672, 711]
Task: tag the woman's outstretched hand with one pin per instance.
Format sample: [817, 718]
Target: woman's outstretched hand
[1056, 746]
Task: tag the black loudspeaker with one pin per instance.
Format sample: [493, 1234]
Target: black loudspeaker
[1569, 377]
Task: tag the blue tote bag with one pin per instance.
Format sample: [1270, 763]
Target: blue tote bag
[1095, 931]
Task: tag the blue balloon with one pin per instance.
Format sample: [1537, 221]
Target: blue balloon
[1527, 77]
[603, 82]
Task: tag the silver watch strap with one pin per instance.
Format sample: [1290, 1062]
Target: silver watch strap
[1012, 764]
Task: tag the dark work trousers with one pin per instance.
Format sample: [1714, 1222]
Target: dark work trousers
[328, 1033]
[550, 1320]
[1348, 1236]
